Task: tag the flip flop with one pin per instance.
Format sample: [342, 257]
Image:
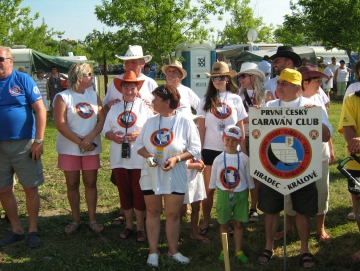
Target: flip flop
[203, 231]
[306, 258]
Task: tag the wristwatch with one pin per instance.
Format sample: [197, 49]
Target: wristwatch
[39, 140]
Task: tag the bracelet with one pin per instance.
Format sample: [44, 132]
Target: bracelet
[179, 159]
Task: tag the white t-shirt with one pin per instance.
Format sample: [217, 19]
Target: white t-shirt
[246, 106]
[144, 93]
[265, 67]
[183, 137]
[271, 85]
[234, 180]
[342, 75]
[117, 120]
[81, 117]
[329, 73]
[230, 111]
[188, 99]
[352, 89]
[333, 67]
[195, 187]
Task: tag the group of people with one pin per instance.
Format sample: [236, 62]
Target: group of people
[158, 155]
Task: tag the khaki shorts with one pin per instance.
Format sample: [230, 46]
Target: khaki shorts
[15, 158]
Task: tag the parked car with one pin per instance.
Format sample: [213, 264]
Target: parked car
[119, 69]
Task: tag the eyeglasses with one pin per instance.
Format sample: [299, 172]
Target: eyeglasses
[163, 90]
[218, 78]
[242, 76]
[87, 74]
[2, 59]
[283, 83]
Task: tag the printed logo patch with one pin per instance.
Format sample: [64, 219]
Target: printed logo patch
[84, 110]
[36, 90]
[232, 178]
[126, 119]
[162, 140]
[222, 111]
[15, 91]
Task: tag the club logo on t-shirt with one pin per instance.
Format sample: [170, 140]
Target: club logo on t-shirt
[84, 110]
[126, 119]
[15, 91]
[232, 178]
[36, 90]
[163, 139]
[222, 111]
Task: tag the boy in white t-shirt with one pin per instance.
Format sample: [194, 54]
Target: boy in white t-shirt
[232, 184]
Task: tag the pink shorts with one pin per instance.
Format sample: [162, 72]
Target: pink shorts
[74, 163]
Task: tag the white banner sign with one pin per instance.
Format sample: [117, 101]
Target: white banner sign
[285, 146]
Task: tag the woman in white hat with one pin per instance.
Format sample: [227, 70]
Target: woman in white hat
[252, 92]
[221, 107]
[122, 126]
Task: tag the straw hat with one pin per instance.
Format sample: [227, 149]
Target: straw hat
[135, 52]
[251, 68]
[287, 52]
[311, 71]
[219, 69]
[176, 64]
[130, 77]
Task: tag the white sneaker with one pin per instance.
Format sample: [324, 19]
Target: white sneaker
[153, 260]
[179, 258]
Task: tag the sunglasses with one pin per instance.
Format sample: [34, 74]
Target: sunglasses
[163, 90]
[218, 78]
[242, 76]
[2, 59]
[87, 74]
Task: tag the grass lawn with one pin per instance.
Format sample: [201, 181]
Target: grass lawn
[87, 251]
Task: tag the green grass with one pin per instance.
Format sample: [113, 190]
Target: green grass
[88, 251]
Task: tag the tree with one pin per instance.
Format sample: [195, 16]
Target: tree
[159, 25]
[16, 27]
[333, 23]
[241, 22]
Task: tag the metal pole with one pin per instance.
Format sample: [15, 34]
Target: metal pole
[285, 232]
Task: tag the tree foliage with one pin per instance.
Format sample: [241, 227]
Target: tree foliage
[158, 25]
[17, 27]
[242, 20]
[333, 23]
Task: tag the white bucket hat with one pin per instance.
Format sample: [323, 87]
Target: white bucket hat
[251, 68]
[135, 52]
[176, 64]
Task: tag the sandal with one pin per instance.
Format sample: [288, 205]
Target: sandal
[119, 220]
[72, 227]
[140, 236]
[97, 228]
[306, 258]
[34, 239]
[266, 254]
[126, 233]
[253, 215]
[203, 231]
[241, 256]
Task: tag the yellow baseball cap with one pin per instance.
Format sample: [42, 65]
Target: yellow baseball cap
[291, 76]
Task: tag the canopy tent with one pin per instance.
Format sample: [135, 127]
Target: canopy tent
[44, 62]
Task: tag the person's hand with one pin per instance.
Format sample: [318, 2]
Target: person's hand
[86, 143]
[118, 137]
[36, 150]
[332, 157]
[309, 105]
[112, 102]
[199, 165]
[257, 106]
[169, 163]
[354, 145]
[130, 137]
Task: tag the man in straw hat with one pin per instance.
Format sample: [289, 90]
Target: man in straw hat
[174, 73]
[285, 57]
[305, 200]
[134, 60]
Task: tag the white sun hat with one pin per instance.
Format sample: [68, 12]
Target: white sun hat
[135, 52]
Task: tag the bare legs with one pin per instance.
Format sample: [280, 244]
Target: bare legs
[208, 202]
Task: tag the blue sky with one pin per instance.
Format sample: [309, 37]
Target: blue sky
[77, 18]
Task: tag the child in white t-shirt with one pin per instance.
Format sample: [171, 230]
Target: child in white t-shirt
[233, 184]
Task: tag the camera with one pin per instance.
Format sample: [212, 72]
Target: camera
[125, 150]
[151, 161]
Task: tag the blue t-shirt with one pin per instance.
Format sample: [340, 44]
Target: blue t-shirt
[18, 92]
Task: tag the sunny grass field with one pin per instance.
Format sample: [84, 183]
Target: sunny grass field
[88, 251]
